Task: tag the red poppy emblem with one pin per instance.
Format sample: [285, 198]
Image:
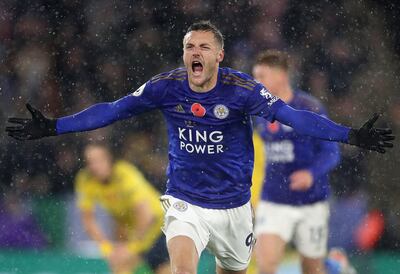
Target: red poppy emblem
[273, 127]
[198, 110]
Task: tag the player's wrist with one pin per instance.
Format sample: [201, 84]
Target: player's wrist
[352, 137]
[51, 126]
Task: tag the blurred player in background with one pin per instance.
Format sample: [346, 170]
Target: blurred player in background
[208, 113]
[294, 195]
[120, 188]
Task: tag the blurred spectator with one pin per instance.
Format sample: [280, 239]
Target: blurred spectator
[18, 227]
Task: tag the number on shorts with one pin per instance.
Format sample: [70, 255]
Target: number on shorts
[250, 241]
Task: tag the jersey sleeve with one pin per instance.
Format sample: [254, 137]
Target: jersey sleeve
[145, 98]
[84, 199]
[262, 103]
[311, 124]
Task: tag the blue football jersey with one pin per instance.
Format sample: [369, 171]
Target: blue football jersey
[210, 134]
[288, 151]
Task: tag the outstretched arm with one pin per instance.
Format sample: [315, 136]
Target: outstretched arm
[262, 103]
[99, 115]
[309, 123]
[96, 116]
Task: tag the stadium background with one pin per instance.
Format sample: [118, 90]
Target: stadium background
[63, 56]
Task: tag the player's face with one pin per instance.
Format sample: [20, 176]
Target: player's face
[98, 162]
[202, 55]
[273, 78]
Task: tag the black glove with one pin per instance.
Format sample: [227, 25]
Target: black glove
[376, 139]
[30, 129]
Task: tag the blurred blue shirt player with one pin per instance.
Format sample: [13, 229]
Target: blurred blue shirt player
[293, 202]
[297, 165]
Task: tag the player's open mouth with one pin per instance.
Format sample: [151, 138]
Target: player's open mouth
[197, 68]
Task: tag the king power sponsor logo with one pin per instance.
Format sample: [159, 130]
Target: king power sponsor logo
[200, 141]
[280, 151]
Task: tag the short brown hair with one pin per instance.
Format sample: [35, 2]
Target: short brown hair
[273, 58]
[103, 144]
[206, 25]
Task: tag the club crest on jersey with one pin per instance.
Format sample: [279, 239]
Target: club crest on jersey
[221, 111]
[198, 110]
[180, 206]
[139, 91]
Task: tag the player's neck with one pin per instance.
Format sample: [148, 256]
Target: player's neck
[206, 86]
[286, 94]
[105, 179]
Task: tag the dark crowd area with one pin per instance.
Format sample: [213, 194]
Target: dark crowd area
[63, 56]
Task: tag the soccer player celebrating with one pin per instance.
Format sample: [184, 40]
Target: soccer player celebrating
[134, 206]
[295, 191]
[207, 110]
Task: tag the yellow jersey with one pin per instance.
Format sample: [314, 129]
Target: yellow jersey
[257, 183]
[126, 188]
[259, 169]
